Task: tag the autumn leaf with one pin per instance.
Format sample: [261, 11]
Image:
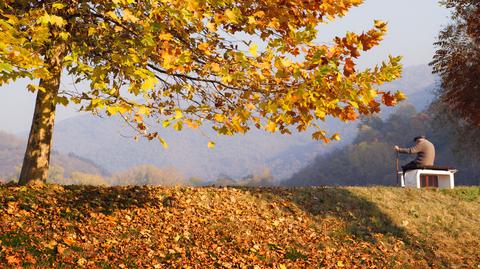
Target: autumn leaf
[271, 126]
[163, 142]
[389, 100]
[13, 260]
[349, 67]
[254, 50]
[211, 144]
[400, 96]
[335, 137]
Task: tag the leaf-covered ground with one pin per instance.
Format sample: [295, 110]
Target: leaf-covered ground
[153, 227]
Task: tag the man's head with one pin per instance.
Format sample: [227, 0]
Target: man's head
[418, 138]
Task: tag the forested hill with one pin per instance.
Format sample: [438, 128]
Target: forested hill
[370, 159]
[12, 150]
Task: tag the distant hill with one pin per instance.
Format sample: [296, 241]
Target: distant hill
[108, 142]
[12, 150]
[418, 83]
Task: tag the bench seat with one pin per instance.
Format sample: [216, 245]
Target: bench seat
[429, 176]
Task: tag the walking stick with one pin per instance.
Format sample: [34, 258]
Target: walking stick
[398, 181]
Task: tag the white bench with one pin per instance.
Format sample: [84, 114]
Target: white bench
[424, 177]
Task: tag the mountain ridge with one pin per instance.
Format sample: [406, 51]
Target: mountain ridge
[12, 150]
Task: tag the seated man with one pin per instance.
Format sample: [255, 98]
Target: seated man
[425, 153]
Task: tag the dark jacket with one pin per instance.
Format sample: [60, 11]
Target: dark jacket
[425, 152]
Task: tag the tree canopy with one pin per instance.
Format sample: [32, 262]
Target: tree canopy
[236, 64]
[457, 60]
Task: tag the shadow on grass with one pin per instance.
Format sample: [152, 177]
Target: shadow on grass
[82, 200]
[363, 218]
[108, 200]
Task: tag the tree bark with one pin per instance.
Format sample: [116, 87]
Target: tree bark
[37, 155]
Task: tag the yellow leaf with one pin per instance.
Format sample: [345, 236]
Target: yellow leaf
[271, 126]
[178, 114]
[380, 24]
[112, 15]
[178, 126]
[112, 110]
[215, 67]
[227, 78]
[212, 27]
[177, 238]
[219, 117]
[336, 137]
[400, 96]
[143, 110]
[320, 114]
[34, 88]
[232, 15]
[128, 16]
[81, 261]
[58, 5]
[52, 244]
[61, 100]
[68, 241]
[41, 73]
[163, 142]
[253, 50]
[166, 123]
[52, 19]
[191, 124]
[250, 106]
[165, 36]
[91, 31]
[64, 35]
[149, 83]
[203, 46]
[56, 20]
[211, 144]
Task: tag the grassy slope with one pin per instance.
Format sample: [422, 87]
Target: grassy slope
[97, 227]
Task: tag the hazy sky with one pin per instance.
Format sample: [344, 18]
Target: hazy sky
[413, 27]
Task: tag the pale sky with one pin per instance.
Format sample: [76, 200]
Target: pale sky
[413, 28]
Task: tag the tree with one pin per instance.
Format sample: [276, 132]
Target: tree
[462, 137]
[457, 60]
[236, 64]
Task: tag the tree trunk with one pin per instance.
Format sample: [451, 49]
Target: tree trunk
[37, 155]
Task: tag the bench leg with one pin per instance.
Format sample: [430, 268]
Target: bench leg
[452, 181]
[402, 179]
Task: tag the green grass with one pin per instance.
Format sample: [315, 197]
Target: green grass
[468, 194]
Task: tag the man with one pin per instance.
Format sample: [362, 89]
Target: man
[425, 153]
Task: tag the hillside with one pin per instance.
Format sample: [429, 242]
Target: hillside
[152, 227]
[370, 159]
[109, 143]
[12, 150]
